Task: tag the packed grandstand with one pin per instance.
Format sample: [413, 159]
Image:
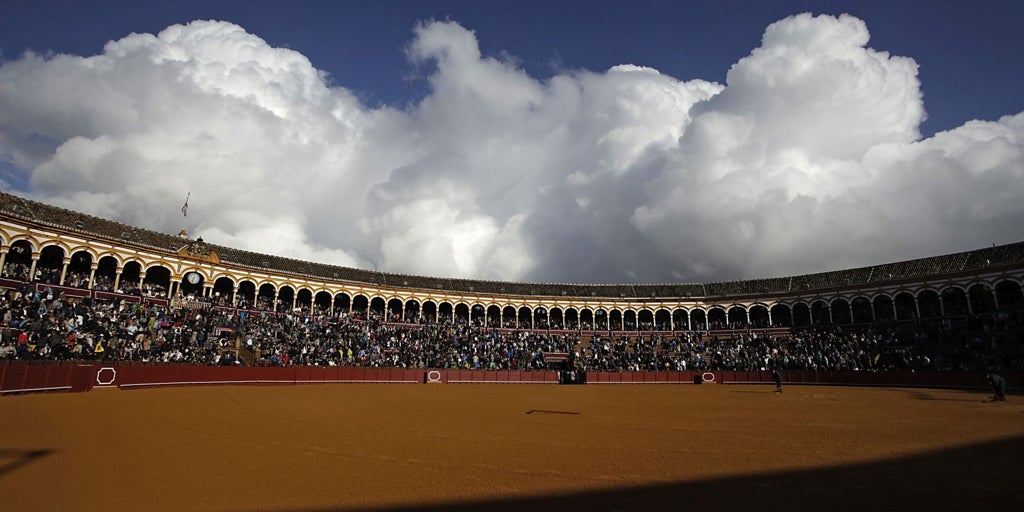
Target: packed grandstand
[75, 287]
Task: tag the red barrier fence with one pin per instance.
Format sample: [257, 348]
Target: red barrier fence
[18, 377]
[650, 377]
[135, 376]
[491, 377]
[885, 379]
[1014, 381]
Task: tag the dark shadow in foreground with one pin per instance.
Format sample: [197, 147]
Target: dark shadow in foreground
[976, 477]
[12, 460]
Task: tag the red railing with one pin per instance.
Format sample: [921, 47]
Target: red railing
[20, 377]
[27, 378]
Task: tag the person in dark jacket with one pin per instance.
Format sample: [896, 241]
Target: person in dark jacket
[998, 384]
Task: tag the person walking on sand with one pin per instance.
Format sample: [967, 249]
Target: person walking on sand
[776, 373]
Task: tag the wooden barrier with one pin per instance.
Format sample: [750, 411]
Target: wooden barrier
[457, 376]
[957, 380]
[645, 377]
[29, 378]
[13, 378]
[135, 376]
[21, 377]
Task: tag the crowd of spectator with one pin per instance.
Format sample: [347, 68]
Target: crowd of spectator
[45, 326]
[13, 270]
[811, 349]
[79, 279]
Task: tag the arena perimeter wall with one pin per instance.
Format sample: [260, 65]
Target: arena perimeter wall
[16, 377]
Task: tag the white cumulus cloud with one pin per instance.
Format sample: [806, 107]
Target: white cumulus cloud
[808, 158]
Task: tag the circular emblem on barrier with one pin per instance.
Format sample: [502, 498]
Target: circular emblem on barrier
[103, 373]
[707, 377]
[433, 376]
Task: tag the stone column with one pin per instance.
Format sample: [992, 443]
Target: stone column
[64, 270]
[32, 270]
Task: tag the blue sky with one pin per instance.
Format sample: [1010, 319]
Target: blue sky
[554, 141]
[969, 52]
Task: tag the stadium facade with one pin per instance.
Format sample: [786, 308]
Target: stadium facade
[85, 256]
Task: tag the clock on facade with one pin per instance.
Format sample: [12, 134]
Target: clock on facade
[193, 277]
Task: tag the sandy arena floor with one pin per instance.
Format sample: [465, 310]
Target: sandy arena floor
[507, 447]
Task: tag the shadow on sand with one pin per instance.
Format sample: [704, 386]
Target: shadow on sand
[975, 477]
[12, 460]
[925, 395]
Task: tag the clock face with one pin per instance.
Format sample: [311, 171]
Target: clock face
[193, 277]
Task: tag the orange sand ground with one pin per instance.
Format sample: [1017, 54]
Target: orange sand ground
[478, 447]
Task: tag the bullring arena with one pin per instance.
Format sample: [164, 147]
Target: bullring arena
[206, 378]
[478, 447]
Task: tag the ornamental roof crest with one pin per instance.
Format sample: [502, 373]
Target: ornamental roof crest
[199, 250]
